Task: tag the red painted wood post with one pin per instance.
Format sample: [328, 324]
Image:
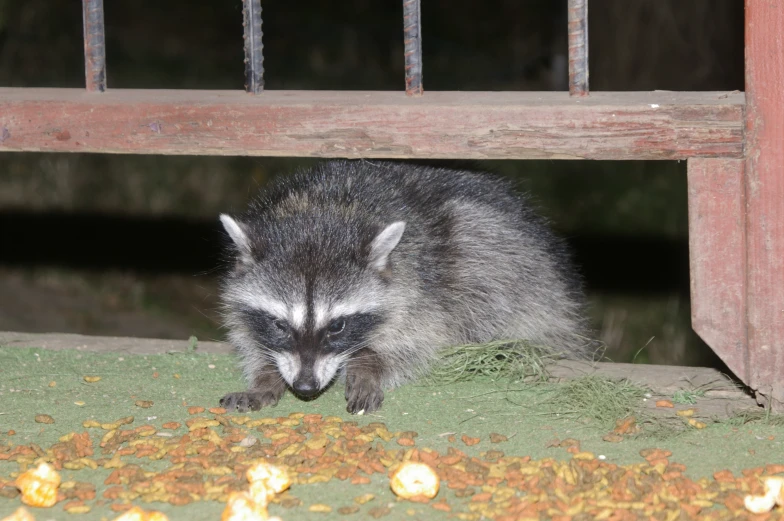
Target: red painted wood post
[765, 197]
[717, 258]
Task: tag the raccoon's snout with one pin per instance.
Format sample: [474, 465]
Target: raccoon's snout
[305, 376]
[306, 386]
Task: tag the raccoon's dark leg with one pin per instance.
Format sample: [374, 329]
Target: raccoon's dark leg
[267, 389]
[363, 382]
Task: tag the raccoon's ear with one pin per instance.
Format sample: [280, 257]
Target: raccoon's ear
[237, 233]
[383, 245]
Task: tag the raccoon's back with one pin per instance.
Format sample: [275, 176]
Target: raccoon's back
[384, 190]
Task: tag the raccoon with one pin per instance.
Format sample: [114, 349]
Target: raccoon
[366, 269]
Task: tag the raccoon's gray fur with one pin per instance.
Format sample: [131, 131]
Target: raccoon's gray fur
[367, 269]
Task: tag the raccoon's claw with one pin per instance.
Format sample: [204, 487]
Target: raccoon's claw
[249, 400]
[363, 397]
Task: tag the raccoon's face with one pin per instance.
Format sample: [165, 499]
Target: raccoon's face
[310, 305]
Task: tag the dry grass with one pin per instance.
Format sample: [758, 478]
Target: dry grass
[513, 360]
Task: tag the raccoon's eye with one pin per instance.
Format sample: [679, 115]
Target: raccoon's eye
[281, 325]
[336, 326]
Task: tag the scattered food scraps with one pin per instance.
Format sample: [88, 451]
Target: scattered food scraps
[21, 514]
[242, 507]
[468, 440]
[414, 479]
[139, 514]
[361, 500]
[774, 495]
[92, 379]
[665, 403]
[43, 418]
[275, 478]
[626, 426]
[39, 486]
[210, 462]
[497, 438]
[697, 424]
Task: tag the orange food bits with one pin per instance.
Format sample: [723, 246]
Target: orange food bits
[138, 514]
[774, 495]
[21, 514]
[414, 479]
[469, 440]
[242, 507]
[275, 478]
[39, 486]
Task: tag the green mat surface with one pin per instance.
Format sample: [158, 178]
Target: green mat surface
[172, 381]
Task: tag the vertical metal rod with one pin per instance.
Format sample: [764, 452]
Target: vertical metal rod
[412, 40]
[254, 50]
[94, 45]
[578, 47]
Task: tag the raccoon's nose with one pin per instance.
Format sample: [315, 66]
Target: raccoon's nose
[306, 387]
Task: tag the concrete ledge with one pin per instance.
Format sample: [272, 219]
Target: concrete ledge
[107, 344]
[720, 396]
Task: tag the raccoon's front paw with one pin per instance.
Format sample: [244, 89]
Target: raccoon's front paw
[252, 400]
[363, 395]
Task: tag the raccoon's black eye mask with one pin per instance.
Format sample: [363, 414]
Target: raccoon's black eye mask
[270, 331]
[341, 334]
[347, 332]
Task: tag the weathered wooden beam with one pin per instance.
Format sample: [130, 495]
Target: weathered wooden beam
[765, 198]
[470, 125]
[717, 258]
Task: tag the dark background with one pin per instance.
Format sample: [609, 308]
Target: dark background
[129, 245]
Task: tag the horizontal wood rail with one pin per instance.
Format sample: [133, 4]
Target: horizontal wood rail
[469, 125]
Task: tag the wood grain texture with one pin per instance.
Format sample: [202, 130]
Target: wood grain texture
[470, 125]
[765, 196]
[717, 258]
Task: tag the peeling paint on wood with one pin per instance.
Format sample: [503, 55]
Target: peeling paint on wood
[717, 258]
[470, 125]
[765, 196]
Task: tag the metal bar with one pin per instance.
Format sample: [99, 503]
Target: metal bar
[578, 47]
[254, 55]
[412, 40]
[466, 125]
[94, 45]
